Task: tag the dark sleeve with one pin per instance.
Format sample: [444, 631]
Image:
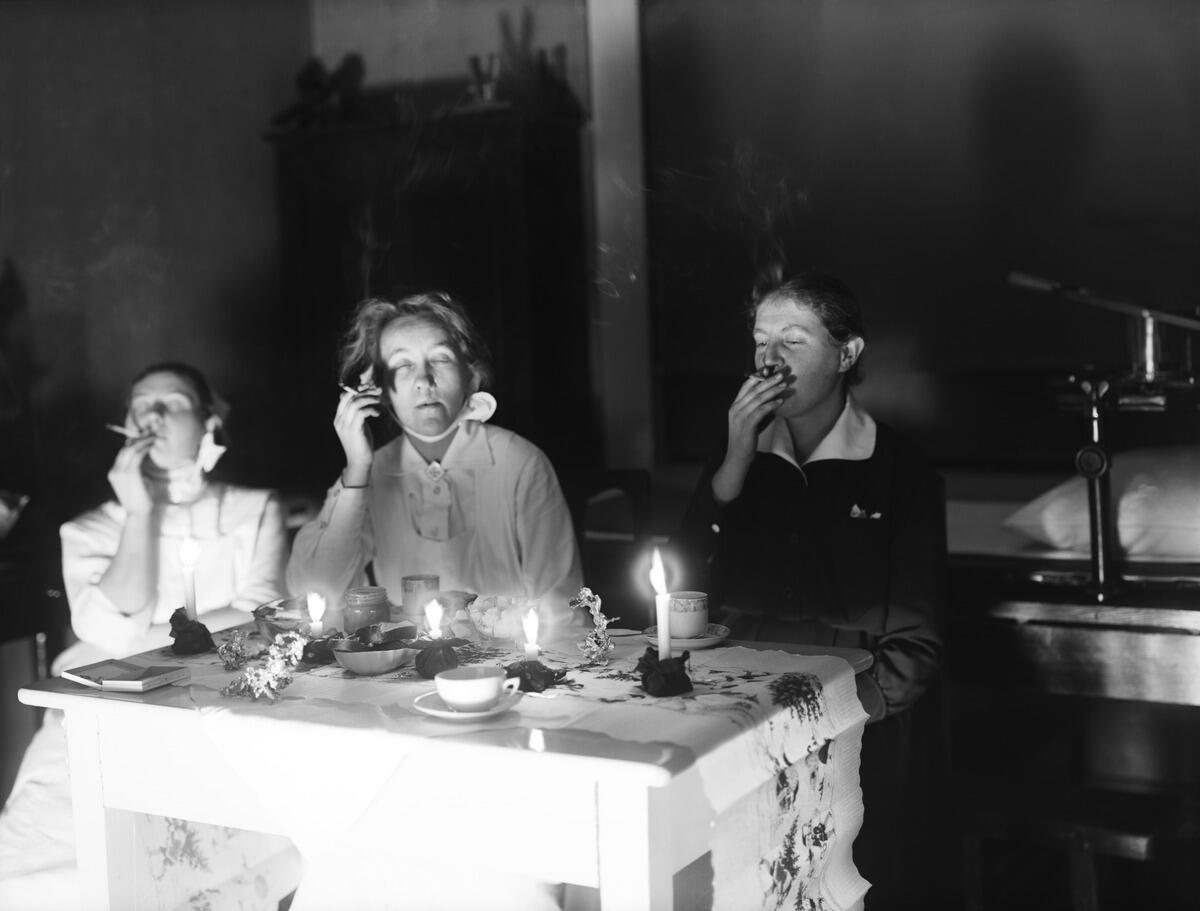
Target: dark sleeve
[908, 651]
[696, 543]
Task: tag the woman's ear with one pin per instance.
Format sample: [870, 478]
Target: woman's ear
[851, 351]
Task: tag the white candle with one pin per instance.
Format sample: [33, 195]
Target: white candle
[189, 553]
[530, 623]
[662, 605]
[433, 618]
[316, 610]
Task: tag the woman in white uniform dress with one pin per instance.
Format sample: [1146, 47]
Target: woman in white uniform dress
[123, 578]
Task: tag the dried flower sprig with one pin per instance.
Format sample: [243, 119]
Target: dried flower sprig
[232, 651]
[597, 644]
[274, 673]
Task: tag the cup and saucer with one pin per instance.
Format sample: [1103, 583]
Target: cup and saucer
[689, 624]
[470, 694]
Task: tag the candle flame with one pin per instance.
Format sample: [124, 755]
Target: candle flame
[433, 617]
[658, 575]
[316, 607]
[189, 553]
[530, 623]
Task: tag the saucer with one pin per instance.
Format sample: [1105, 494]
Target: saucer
[431, 704]
[714, 635]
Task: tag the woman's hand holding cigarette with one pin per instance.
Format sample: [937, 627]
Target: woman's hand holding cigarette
[125, 476]
[350, 422]
[757, 398]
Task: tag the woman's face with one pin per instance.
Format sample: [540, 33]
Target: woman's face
[168, 406]
[429, 382]
[790, 335]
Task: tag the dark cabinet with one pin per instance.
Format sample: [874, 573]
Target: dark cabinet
[485, 205]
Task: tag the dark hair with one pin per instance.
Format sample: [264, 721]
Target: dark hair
[360, 348]
[829, 298]
[210, 403]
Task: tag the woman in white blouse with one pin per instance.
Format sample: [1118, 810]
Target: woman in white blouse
[123, 576]
[121, 561]
[477, 505]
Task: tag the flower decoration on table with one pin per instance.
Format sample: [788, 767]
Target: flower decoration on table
[191, 637]
[664, 676]
[436, 652]
[598, 643]
[233, 651]
[534, 676]
[273, 672]
[320, 650]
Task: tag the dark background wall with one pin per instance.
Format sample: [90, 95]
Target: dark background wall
[921, 150]
[137, 221]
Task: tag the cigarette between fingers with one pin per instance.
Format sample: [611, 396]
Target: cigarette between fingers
[128, 434]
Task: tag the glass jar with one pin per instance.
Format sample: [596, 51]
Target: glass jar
[364, 606]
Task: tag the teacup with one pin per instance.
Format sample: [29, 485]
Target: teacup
[689, 615]
[474, 689]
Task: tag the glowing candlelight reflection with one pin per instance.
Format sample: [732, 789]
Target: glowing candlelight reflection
[316, 610]
[530, 623]
[662, 604]
[189, 554]
[433, 618]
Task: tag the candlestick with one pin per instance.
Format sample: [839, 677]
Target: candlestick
[189, 553]
[530, 624]
[433, 617]
[662, 604]
[316, 610]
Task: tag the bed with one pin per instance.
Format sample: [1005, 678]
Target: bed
[1026, 612]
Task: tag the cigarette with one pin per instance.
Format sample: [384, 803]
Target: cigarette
[128, 434]
[765, 373]
[368, 387]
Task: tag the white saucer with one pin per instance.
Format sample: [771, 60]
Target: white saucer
[714, 635]
[618, 633]
[431, 704]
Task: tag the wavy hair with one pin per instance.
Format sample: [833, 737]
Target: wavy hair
[360, 347]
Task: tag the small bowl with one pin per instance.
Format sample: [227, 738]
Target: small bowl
[371, 662]
[283, 615]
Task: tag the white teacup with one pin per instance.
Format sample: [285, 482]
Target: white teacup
[474, 689]
[689, 615]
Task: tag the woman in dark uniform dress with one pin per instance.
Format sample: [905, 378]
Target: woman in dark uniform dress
[816, 524]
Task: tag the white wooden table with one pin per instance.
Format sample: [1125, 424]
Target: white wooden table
[614, 796]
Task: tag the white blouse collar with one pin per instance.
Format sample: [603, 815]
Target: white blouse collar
[852, 437]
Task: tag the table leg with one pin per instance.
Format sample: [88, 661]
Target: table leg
[635, 862]
[105, 841]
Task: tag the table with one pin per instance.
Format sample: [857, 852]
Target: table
[599, 785]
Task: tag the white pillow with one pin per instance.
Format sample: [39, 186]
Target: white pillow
[1156, 493]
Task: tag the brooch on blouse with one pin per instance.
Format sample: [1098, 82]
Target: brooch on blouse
[434, 471]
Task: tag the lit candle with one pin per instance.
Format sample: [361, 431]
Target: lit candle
[316, 610]
[433, 618]
[530, 623]
[189, 553]
[662, 605]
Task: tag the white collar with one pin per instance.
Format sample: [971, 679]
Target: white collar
[852, 437]
[468, 449]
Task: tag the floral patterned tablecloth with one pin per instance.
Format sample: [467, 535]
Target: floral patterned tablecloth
[774, 737]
